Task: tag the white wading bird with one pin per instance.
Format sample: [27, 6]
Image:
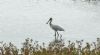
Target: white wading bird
[56, 28]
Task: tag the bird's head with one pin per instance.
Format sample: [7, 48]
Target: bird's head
[49, 21]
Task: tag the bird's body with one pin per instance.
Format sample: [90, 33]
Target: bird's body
[56, 28]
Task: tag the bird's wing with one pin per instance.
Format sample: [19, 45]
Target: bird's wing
[57, 28]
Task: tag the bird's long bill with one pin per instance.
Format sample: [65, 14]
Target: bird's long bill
[48, 21]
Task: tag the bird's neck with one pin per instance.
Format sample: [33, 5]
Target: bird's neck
[50, 23]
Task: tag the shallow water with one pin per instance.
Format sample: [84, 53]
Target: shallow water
[20, 19]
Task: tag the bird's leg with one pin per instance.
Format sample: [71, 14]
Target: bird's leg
[55, 35]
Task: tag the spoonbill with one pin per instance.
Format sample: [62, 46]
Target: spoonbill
[56, 28]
